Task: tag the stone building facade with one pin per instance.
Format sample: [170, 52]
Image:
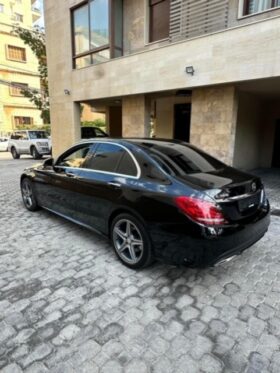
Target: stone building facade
[18, 67]
[204, 72]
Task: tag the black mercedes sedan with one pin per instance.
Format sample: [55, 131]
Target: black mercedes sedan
[154, 199]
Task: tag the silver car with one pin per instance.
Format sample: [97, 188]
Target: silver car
[33, 142]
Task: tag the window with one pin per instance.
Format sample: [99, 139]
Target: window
[16, 53]
[1, 8]
[18, 17]
[178, 159]
[112, 158]
[92, 43]
[21, 121]
[257, 6]
[99, 133]
[17, 135]
[127, 166]
[17, 88]
[106, 158]
[34, 135]
[159, 19]
[74, 158]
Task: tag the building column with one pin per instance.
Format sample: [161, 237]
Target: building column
[136, 112]
[213, 121]
[65, 125]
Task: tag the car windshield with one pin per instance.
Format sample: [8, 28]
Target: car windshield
[33, 135]
[181, 159]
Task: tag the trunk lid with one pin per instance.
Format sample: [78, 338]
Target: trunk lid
[239, 194]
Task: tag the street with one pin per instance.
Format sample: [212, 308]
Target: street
[68, 305]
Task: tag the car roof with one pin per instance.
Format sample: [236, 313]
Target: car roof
[134, 140]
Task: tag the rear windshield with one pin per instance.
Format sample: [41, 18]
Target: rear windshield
[181, 159]
[33, 135]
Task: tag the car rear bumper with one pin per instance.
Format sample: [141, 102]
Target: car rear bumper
[208, 246]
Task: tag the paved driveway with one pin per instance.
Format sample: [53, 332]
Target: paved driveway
[67, 305]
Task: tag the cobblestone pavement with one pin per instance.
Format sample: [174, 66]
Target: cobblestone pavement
[67, 305]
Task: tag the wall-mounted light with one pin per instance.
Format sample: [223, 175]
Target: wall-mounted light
[66, 92]
[190, 70]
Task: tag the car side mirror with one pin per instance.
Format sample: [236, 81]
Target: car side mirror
[49, 162]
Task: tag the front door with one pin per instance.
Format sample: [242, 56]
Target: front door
[182, 122]
[276, 149]
[57, 188]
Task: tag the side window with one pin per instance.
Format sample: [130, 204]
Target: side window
[106, 158]
[99, 133]
[24, 136]
[75, 158]
[127, 166]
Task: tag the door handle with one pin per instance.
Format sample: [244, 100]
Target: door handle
[70, 174]
[115, 185]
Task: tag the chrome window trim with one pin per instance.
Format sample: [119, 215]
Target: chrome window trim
[138, 175]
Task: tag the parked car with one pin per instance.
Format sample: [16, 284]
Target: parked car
[91, 132]
[4, 144]
[33, 142]
[154, 199]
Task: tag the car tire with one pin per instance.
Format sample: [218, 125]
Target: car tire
[131, 241]
[14, 153]
[35, 154]
[28, 196]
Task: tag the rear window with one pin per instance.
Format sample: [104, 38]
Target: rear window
[180, 159]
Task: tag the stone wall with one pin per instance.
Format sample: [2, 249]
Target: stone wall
[136, 116]
[213, 122]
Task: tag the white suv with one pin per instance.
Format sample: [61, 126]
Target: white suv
[36, 143]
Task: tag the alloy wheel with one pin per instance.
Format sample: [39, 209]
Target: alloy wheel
[128, 241]
[27, 194]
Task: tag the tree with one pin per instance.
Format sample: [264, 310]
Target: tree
[35, 39]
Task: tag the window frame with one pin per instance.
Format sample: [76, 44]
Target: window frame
[22, 124]
[15, 59]
[150, 23]
[94, 145]
[14, 86]
[18, 17]
[2, 8]
[110, 46]
[245, 9]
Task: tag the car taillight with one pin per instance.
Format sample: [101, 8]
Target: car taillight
[201, 211]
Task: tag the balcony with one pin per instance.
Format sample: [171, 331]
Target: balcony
[36, 14]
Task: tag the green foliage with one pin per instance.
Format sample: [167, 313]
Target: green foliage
[35, 39]
[100, 123]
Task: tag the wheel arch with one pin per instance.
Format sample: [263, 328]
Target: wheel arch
[122, 210]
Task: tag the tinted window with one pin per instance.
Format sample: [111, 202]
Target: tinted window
[75, 158]
[99, 133]
[127, 166]
[106, 158]
[180, 159]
